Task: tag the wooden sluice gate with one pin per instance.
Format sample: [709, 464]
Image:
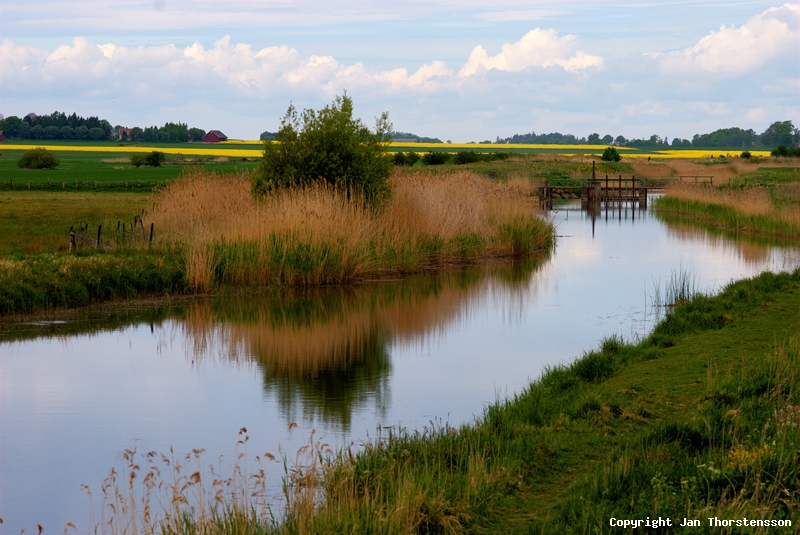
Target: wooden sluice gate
[597, 191]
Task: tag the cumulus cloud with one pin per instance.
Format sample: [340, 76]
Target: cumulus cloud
[733, 51]
[537, 48]
[168, 70]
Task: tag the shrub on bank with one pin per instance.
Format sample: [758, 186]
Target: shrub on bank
[783, 150]
[38, 158]
[611, 154]
[435, 158]
[328, 145]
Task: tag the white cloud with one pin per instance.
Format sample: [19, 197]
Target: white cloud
[537, 48]
[258, 73]
[733, 51]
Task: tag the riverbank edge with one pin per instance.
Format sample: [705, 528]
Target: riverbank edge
[620, 432]
[42, 283]
[725, 217]
[698, 420]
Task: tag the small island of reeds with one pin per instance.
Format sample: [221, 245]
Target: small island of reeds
[315, 235]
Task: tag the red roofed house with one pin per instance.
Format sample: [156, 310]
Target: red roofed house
[2, 136]
[214, 136]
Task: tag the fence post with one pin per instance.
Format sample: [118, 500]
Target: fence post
[71, 239]
[150, 243]
[99, 228]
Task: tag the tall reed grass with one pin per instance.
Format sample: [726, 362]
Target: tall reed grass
[751, 210]
[315, 236]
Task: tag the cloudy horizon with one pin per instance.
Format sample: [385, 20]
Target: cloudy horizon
[464, 71]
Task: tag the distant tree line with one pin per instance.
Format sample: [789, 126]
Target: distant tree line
[419, 139]
[60, 126]
[779, 133]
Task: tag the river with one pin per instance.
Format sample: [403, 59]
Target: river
[79, 389]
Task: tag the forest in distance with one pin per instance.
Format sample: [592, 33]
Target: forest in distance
[60, 126]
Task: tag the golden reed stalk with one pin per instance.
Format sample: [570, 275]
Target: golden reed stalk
[203, 212]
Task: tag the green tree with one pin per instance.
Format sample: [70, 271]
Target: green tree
[38, 158]
[137, 134]
[780, 133]
[196, 134]
[11, 126]
[611, 154]
[331, 146]
[155, 158]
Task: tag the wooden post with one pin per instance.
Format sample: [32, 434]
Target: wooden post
[150, 243]
[116, 240]
[99, 228]
[71, 240]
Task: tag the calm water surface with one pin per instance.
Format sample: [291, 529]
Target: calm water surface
[342, 361]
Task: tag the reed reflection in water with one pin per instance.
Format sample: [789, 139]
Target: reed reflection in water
[752, 250]
[326, 353]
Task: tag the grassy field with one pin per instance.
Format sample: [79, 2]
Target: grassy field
[103, 170]
[697, 421]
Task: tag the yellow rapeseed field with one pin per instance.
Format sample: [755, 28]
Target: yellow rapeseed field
[695, 153]
[193, 150]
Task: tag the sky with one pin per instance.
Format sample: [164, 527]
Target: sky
[459, 70]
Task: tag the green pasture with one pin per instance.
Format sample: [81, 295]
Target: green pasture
[106, 171]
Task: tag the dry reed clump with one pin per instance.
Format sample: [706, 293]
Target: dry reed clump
[752, 201]
[315, 235]
[154, 493]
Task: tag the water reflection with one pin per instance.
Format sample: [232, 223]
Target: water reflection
[751, 250]
[325, 353]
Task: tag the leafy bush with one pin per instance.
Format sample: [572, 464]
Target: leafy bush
[155, 158]
[783, 150]
[328, 145]
[466, 156]
[746, 154]
[611, 154]
[38, 158]
[435, 158]
[402, 158]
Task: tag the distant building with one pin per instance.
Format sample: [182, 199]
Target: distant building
[124, 133]
[2, 136]
[214, 136]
